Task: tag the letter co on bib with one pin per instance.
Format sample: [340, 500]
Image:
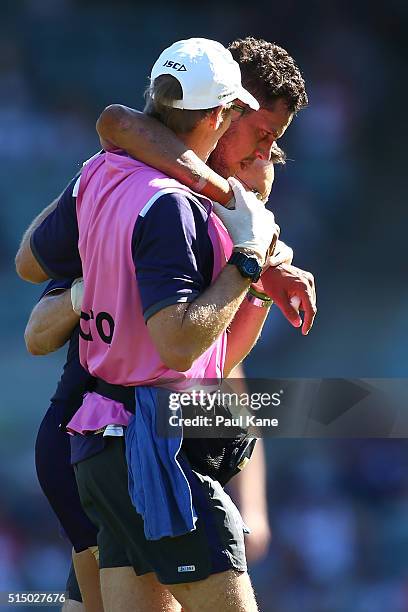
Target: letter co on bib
[104, 323]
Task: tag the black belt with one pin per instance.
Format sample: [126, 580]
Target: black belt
[118, 393]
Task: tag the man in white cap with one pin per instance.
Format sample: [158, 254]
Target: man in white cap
[170, 325]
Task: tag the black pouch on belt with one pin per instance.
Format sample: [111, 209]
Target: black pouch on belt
[218, 456]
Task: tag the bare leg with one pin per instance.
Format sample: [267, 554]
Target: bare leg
[123, 591]
[224, 591]
[87, 573]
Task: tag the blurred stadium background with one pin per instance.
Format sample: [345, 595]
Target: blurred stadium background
[339, 510]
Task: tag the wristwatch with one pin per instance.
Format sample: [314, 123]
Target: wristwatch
[248, 267]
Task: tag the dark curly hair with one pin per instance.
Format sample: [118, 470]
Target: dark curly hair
[269, 73]
[278, 156]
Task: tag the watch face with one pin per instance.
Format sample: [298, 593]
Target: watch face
[248, 266]
[251, 266]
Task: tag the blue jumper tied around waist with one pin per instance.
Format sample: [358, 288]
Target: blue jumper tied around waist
[158, 487]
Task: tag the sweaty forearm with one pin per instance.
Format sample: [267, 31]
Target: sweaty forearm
[27, 266]
[182, 333]
[51, 323]
[145, 138]
[245, 331]
[213, 311]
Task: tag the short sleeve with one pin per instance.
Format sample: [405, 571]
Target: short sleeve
[55, 285]
[172, 252]
[55, 242]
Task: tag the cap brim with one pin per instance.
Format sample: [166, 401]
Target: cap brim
[247, 98]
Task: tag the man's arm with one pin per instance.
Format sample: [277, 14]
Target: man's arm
[250, 493]
[183, 332]
[49, 248]
[27, 266]
[51, 323]
[245, 331]
[145, 138]
[249, 490]
[281, 284]
[184, 315]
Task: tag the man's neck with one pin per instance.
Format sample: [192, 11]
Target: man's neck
[201, 144]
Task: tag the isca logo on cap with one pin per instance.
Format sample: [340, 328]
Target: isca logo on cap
[175, 65]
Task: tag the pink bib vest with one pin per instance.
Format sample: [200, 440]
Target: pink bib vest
[115, 344]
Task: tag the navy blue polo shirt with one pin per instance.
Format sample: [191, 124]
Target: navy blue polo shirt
[171, 248]
[173, 256]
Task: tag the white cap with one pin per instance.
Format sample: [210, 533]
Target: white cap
[208, 74]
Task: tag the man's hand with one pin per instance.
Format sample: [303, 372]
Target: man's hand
[282, 254]
[249, 224]
[285, 282]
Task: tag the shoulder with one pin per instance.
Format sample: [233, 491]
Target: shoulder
[174, 220]
[176, 204]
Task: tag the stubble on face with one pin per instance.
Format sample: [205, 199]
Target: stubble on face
[218, 159]
[250, 137]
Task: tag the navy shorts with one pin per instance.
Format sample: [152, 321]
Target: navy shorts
[216, 545]
[57, 479]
